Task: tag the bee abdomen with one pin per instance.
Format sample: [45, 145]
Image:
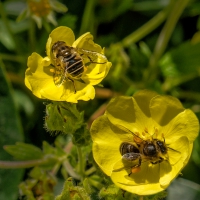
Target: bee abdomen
[128, 148]
[74, 66]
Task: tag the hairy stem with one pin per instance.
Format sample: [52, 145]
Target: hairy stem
[81, 162]
[90, 171]
[70, 170]
[22, 164]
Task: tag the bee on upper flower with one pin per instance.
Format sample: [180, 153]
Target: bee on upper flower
[69, 70]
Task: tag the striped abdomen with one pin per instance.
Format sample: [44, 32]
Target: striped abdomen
[128, 148]
[68, 58]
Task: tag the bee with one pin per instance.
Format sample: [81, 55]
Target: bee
[70, 62]
[153, 151]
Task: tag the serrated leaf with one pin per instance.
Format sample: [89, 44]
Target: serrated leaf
[22, 151]
[72, 192]
[63, 117]
[10, 132]
[81, 137]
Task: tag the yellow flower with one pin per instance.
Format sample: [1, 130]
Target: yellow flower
[42, 11]
[39, 75]
[143, 119]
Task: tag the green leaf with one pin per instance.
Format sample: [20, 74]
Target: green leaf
[181, 61]
[81, 137]
[68, 20]
[63, 117]
[23, 15]
[22, 151]
[10, 132]
[5, 37]
[113, 9]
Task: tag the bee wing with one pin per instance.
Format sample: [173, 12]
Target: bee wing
[59, 74]
[128, 160]
[94, 57]
[130, 157]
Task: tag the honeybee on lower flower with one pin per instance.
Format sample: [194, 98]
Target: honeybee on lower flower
[151, 150]
[70, 62]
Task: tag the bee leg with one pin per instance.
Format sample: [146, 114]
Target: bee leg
[73, 84]
[136, 166]
[91, 61]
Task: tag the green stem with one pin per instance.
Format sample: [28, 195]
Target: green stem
[146, 28]
[90, 171]
[87, 23]
[81, 163]
[22, 164]
[164, 38]
[70, 170]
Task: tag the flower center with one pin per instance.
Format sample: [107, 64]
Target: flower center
[39, 8]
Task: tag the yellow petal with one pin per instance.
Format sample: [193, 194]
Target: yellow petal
[39, 79]
[83, 92]
[85, 41]
[148, 189]
[120, 110]
[144, 182]
[125, 111]
[182, 146]
[184, 124]
[35, 73]
[143, 99]
[164, 108]
[61, 33]
[105, 144]
[95, 73]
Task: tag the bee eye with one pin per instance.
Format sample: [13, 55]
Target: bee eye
[161, 146]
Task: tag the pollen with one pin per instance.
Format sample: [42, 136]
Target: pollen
[40, 8]
[52, 70]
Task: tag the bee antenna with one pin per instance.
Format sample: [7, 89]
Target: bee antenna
[173, 149]
[125, 129]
